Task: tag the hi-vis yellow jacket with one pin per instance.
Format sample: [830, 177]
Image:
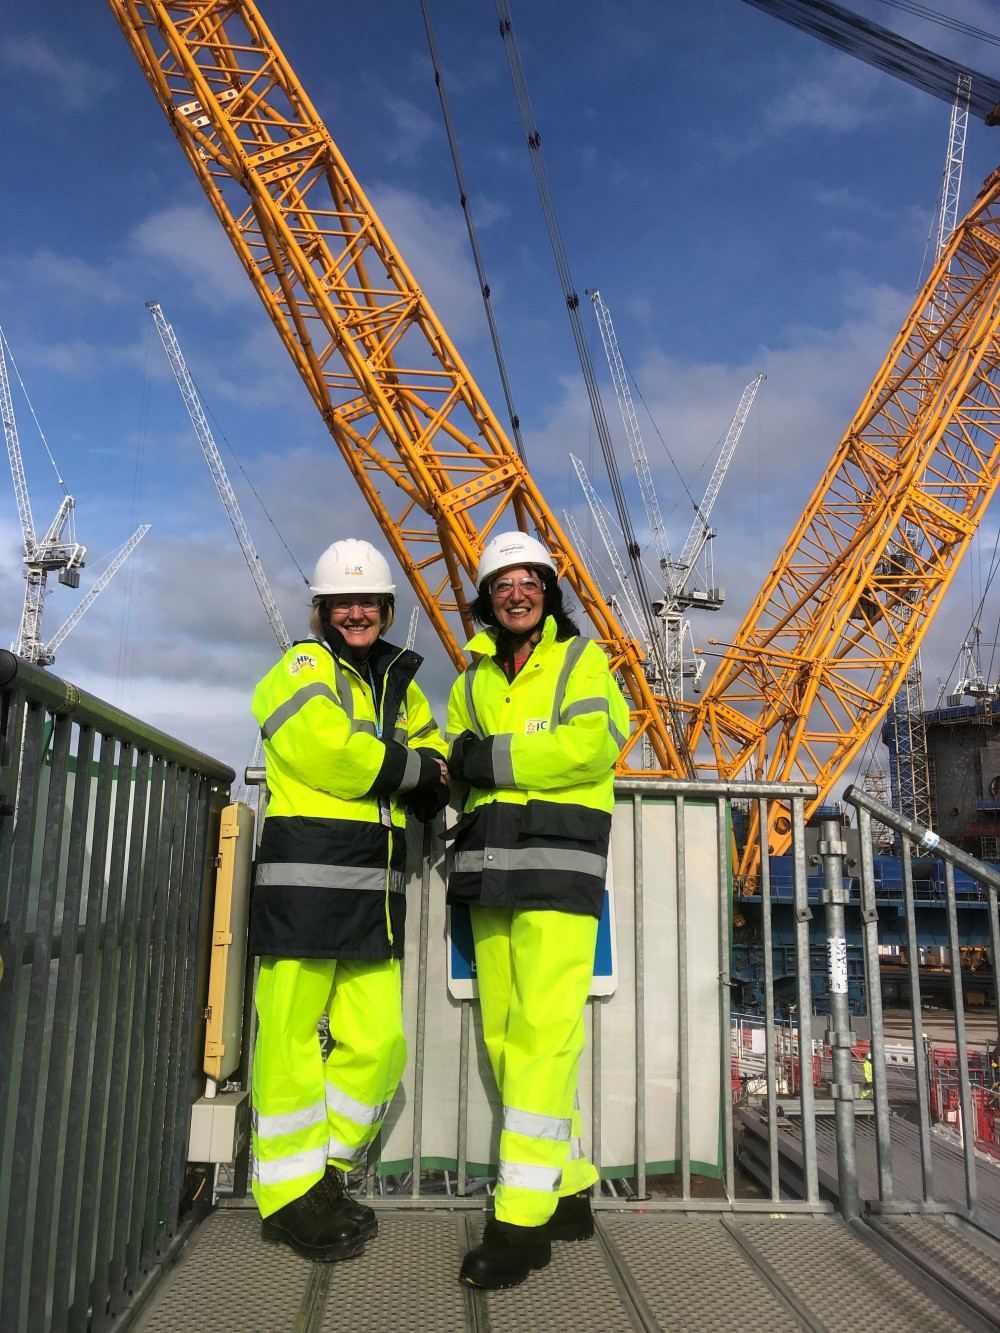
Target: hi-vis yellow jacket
[541, 772]
[346, 751]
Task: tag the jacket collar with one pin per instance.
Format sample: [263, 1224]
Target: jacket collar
[485, 642]
[381, 656]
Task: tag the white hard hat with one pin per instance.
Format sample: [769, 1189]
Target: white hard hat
[352, 566]
[508, 550]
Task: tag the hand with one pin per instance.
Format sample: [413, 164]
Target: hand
[444, 771]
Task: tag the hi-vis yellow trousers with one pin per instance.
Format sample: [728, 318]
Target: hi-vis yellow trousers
[534, 970]
[306, 1113]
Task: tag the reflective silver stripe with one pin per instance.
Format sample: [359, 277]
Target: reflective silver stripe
[310, 875]
[411, 773]
[617, 736]
[467, 863]
[308, 1163]
[340, 1152]
[401, 735]
[574, 651]
[344, 690]
[425, 730]
[531, 858]
[342, 1104]
[520, 1176]
[470, 704]
[273, 1126]
[277, 719]
[397, 879]
[363, 725]
[534, 1126]
[593, 705]
[503, 760]
[575, 1149]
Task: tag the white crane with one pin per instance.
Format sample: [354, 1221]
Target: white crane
[951, 181]
[48, 653]
[632, 433]
[205, 438]
[679, 578]
[52, 553]
[682, 575]
[624, 582]
[599, 571]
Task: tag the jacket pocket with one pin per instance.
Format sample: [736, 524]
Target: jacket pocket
[574, 823]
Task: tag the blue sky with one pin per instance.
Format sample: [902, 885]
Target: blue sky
[744, 197]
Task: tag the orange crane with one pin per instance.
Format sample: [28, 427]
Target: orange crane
[821, 652]
[392, 389]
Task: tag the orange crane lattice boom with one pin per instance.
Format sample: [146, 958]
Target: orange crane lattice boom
[823, 649]
[393, 390]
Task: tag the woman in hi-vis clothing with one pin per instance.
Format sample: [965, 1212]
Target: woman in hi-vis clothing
[351, 748]
[536, 725]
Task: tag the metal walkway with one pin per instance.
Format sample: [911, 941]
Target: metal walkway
[653, 1272]
[948, 1166]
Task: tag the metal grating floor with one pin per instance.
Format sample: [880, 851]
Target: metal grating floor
[704, 1273]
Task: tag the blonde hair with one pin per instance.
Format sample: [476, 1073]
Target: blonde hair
[321, 613]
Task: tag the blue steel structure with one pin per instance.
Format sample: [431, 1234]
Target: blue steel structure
[932, 934]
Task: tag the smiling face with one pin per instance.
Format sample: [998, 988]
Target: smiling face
[359, 620]
[517, 596]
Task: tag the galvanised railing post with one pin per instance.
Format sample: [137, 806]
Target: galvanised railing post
[833, 896]
[873, 980]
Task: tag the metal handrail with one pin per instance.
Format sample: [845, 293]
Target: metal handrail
[62, 699]
[106, 848]
[926, 841]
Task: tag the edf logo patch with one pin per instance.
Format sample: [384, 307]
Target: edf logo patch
[534, 724]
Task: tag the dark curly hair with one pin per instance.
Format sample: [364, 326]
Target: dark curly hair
[481, 608]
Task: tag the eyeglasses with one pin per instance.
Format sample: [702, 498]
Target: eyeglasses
[366, 604]
[504, 588]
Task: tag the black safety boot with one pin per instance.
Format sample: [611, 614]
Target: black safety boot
[313, 1228]
[506, 1256]
[572, 1219]
[335, 1188]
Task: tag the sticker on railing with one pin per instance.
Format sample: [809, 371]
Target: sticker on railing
[837, 954]
[929, 841]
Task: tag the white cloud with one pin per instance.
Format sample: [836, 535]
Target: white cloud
[75, 357]
[191, 240]
[74, 83]
[413, 127]
[73, 277]
[436, 245]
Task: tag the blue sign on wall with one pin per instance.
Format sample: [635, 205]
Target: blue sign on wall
[462, 955]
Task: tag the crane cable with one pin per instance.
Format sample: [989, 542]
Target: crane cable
[55, 466]
[484, 286]
[246, 478]
[587, 366]
[945, 20]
